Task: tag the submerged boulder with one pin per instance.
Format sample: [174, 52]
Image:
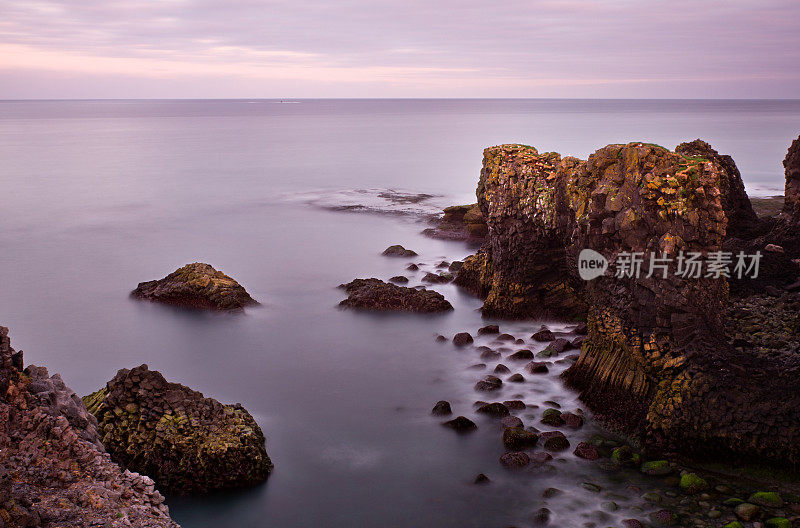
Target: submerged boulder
[196, 285]
[374, 294]
[187, 443]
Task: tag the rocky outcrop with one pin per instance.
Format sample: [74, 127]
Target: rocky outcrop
[53, 469]
[791, 164]
[460, 222]
[374, 294]
[196, 285]
[742, 220]
[186, 442]
[656, 362]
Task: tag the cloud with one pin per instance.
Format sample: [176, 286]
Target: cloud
[626, 48]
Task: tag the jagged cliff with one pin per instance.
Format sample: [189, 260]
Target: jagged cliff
[53, 469]
[656, 361]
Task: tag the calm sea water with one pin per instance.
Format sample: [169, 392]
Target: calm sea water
[100, 195]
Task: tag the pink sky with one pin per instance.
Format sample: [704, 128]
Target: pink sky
[356, 48]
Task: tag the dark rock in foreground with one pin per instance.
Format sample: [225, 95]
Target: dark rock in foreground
[53, 470]
[374, 294]
[196, 285]
[187, 443]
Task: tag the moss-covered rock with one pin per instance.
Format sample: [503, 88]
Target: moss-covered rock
[691, 483]
[768, 499]
[187, 443]
[778, 522]
[656, 468]
[196, 285]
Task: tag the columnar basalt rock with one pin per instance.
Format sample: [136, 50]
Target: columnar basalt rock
[791, 164]
[187, 443]
[656, 362]
[53, 469]
[196, 285]
[520, 269]
[742, 220]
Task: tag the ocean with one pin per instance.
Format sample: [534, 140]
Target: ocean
[293, 198]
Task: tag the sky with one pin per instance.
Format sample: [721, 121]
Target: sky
[56, 49]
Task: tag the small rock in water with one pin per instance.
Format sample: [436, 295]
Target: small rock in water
[482, 479]
[537, 367]
[516, 405]
[455, 266]
[477, 366]
[398, 251]
[746, 511]
[541, 457]
[516, 378]
[768, 499]
[462, 424]
[589, 486]
[691, 483]
[554, 441]
[501, 369]
[543, 335]
[489, 383]
[521, 355]
[489, 329]
[412, 267]
[494, 409]
[437, 278]
[517, 438]
[440, 338]
[549, 493]
[515, 460]
[587, 451]
[511, 421]
[399, 279]
[442, 408]
[443, 264]
[656, 468]
[462, 339]
[541, 517]
[559, 345]
[506, 337]
[572, 420]
[489, 355]
[552, 417]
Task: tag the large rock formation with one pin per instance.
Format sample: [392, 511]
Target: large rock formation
[187, 443]
[791, 207]
[196, 285]
[374, 294]
[53, 469]
[656, 362]
[742, 220]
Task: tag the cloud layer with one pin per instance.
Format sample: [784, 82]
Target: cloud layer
[413, 48]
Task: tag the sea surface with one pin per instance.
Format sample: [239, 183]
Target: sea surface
[293, 199]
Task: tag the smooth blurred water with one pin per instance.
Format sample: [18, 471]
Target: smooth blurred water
[100, 195]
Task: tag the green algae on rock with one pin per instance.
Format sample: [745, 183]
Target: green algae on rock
[196, 285]
[187, 443]
[53, 469]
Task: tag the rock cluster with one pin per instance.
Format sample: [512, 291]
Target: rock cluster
[375, 294]
[656, 361]
[53, 470]
[196, 285]
[460, 222]
[186, 442]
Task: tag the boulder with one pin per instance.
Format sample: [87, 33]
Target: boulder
[517, 438]
[462, 339]
[398, 251]
[442, 408]
[489, 329]
[554, 441]
[196, 285]
[515, 460]
[461, 424]
[53, 469]
[493, 409]
[374, 294]
[187, 443]
[587, 451]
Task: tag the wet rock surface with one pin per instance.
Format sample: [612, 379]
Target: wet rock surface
[656, 362]
[187, 443]
[460, 222]
[196, 285]
[375, 294]
[53, 470]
